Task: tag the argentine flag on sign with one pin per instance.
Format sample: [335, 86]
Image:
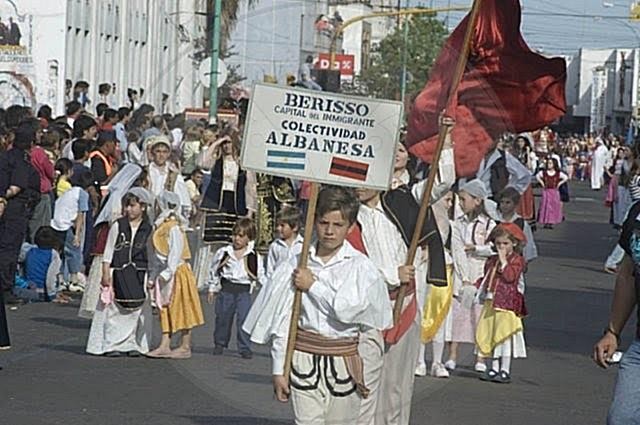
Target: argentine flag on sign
[286, 160]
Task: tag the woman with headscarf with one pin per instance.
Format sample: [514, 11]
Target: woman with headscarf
[172, 281]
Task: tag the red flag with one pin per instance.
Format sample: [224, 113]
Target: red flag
[505, 88]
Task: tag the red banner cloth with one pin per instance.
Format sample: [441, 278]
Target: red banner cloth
[505, 88]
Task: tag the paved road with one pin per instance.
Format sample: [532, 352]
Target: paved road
[47, 378]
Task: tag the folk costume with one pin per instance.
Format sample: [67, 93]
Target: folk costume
[551, 206]
[167, 177]
[618, 196]
[500, 331]
[233, 280]
[123, 324]
[468, 266]
[500, 169]
[272, 194]
[386, 232]
[224, 200]
[436, 317]
[349, 297]
[526, 156]
[109, 213]
[175, 290]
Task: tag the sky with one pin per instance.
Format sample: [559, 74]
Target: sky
[551, 26]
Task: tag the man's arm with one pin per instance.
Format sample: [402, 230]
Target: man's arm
[624, 301]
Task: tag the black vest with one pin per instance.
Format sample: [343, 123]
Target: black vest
[402, 209]
[250, 264]
[212, 199]
[499, 174]
[126, 252]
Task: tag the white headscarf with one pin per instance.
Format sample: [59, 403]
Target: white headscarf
[169, 204]
[122, 181]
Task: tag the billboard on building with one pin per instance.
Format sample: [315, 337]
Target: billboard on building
[624, 83]
[598, 100]
[32, 51]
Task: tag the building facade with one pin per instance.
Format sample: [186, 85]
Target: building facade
[602, 90]
[154, 47]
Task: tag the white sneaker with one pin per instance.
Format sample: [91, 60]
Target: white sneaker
[421, 370]
[439, 371]
[480, 367]
[75, 287]
[450, 365]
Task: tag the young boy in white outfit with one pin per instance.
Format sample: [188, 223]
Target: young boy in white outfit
[234, 271]
[288, 244]
[343, 294]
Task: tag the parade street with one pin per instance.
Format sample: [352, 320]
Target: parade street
[48, 378]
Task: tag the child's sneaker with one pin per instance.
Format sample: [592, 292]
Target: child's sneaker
[480, 367]
[421, 370]
[439, 371]
[450, 365]
[75, 287]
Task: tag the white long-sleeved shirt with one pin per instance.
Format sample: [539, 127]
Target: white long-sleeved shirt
[167, 266]
[469, 267]
[280, 251]
[519, 175]
[158, 177]
[348, 296]
[234, 269]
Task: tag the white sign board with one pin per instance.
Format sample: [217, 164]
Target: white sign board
[321, 137]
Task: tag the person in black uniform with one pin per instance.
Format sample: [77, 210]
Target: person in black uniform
[19, 186]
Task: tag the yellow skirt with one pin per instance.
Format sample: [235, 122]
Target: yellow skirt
[495, 327]
[437, 307]
[185, 310]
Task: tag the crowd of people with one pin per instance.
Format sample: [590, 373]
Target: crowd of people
[137, 212]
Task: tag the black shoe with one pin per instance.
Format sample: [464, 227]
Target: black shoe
[502, 378]
[134, 354]
[113, 354]
[489, 375]
[10, 299]
[246, 355]
[218, 350]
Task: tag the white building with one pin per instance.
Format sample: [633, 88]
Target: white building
[615, 72]
[152, 46]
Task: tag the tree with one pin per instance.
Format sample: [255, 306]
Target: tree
[229, 16]
[382, 78]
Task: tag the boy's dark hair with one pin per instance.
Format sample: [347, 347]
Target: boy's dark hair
[509, 193]
[45, 112]
[245, 226]
[101, 108]
[84, 179]
[289, 215]
[104, 88]
[63, 166]
[80, 148]
[110, 114]
[105, 137]
[82, 124]
[336, 198]
[197, 170]
[15, 114]
[123, 113]
[73, 108]
[47, 238]
[24, 136]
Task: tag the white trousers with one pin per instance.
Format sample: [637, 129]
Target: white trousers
[322, 393]
[371, 349]
[400, 360]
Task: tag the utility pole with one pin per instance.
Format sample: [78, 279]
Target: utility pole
[403, 78]
[215, 54]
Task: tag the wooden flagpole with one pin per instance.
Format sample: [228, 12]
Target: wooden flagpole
[433, 171]
[297, 299]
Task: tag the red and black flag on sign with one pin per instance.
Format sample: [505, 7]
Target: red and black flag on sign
[349, 169]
